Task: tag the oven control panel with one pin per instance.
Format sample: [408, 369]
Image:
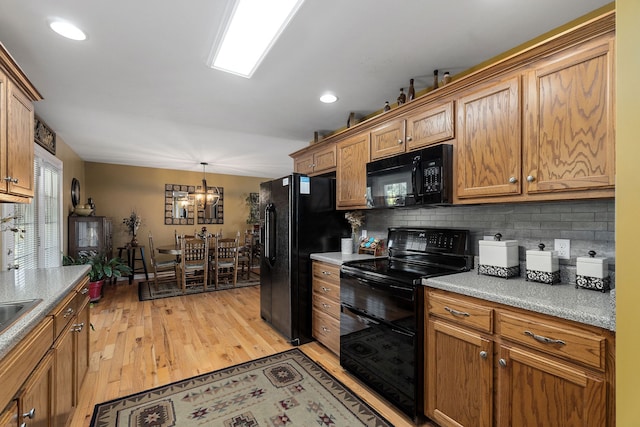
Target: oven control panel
[428, 240]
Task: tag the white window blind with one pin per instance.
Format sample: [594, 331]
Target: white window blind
[41, 242]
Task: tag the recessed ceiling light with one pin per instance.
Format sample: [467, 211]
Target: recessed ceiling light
[328, 98]
[250, 30]
[68, 30]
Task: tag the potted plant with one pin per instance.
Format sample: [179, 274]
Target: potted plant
[101, 268]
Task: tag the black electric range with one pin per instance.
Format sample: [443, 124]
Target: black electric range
[381, 310]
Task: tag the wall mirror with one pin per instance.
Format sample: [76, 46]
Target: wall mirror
[185, 205]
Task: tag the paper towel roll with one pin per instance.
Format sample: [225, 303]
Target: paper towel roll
[347, 246]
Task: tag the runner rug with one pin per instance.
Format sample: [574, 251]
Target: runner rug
[286, 389]
[147, 290]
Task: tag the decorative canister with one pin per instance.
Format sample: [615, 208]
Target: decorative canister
[592, 272]
[543, 266]
[499, 257]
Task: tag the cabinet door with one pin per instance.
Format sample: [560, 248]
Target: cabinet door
[459, 383]
[489, 145]
[64, 376]
[535, 390]
[387, 140]
[430, 127]
[20, 137]
[324, 159]
[82, 327]
[303, 164]
[36, 400]
[569, 125]
[351, 175]
[9, 418]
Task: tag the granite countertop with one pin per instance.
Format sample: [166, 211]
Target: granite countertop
[51, 285]
[562, 300]
[338, 258]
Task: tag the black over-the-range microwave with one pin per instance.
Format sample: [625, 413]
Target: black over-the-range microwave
[419, 178]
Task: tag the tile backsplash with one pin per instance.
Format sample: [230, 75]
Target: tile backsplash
[589, 224]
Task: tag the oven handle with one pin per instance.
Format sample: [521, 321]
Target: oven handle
[362, 317]
[376, 284]
[407, 334]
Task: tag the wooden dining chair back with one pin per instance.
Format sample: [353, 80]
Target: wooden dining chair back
[164, 270]
[194, 262]
[245, 256]
[225, 254]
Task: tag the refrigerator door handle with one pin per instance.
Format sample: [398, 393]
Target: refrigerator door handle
[270, 234]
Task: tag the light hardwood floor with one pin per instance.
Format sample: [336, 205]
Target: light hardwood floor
[140, 345]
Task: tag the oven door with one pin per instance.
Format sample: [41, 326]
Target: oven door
[381, 355]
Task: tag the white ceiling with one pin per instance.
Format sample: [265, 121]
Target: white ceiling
[138, 92]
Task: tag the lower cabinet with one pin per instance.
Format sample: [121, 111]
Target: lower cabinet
[9, 417]
[326, 305]
[492, 365]
[36, 400]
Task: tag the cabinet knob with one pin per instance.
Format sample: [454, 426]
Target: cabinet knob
[11, 179]
[409, 138]
[530, 178]
[400, 141]
[483, 354]
[502, 363]
[84, 291]
[513, 180]
[31, 414]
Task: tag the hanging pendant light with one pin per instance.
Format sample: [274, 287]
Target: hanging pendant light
[207, 196]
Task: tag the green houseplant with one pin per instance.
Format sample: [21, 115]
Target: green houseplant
[102, 268]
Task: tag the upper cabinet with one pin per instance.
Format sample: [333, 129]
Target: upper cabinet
[430, 126]
[16, 131]
[388, 139]
[569, 120]
[488, 146]
[351, 175]
[315, 161]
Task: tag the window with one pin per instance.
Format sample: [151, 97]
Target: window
[40, 245]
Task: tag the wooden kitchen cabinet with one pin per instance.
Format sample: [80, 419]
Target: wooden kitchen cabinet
[36, 400]
[9, 417]
[326, 305]
[569, 141]
[17, 120]
[388, 139]
[492, 365]
[459, 357]
[430, 126]
[351, 174]
[90, 234]
[71, 318]
[316, 161]
[488, 151]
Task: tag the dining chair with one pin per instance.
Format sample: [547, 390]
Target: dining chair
[245, 255]
[194, 262]
[225, 255]
[164, 270]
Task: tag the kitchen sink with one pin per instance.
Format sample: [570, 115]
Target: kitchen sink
[14, 310]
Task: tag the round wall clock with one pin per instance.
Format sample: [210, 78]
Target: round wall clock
[75, 191]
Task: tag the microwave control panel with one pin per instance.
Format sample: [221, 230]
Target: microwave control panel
[432, 177]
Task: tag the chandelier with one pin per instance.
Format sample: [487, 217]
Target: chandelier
[206, 196]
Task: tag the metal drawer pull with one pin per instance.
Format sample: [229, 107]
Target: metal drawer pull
[84, 291]
[326, 273]
[325, 305]
[325, 329]
[325, 289]
[68, 312]
[456, 312]
[544, 340]
[78, 327]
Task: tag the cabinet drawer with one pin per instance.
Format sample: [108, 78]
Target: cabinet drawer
[326, 330]
[556, 338]
[63, 314]
[460, 312]
[326, 305]
[327, 272]
[327, 289]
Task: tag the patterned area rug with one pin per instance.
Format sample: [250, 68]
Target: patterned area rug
[147, 290]
[286, 389]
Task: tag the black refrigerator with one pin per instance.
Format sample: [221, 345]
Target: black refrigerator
[298, 218]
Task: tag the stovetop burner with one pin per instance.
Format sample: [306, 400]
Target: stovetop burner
[416, 253]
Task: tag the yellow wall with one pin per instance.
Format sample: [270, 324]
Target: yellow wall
[73, 167]
[116, 190]
[627, 214]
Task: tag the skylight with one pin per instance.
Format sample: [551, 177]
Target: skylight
[251, 29]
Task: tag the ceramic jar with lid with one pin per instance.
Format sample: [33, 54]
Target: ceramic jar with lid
[543, 266]
[592, 272]
[499, 257]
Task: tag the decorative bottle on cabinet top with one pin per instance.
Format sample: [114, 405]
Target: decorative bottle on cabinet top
[412, 92]
[387, 107]
[402, 97]
[435, 80]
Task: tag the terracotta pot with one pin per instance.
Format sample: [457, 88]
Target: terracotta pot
[95, 290]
